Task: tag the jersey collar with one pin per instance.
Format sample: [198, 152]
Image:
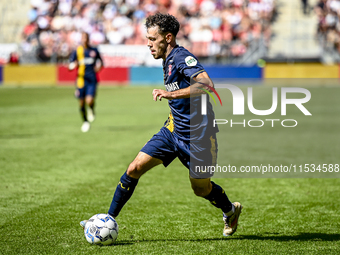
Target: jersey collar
[170, 55]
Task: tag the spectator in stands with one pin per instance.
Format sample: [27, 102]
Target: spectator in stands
[13, 58]
[305, 6]
[209, 27]
[328, 13]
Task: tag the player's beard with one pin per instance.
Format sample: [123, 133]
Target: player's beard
[160, 53]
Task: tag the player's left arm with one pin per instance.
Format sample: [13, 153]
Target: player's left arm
[99, 63]
[202, 81]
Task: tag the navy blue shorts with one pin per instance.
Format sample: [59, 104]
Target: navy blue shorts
[194, 155]
[89, 89]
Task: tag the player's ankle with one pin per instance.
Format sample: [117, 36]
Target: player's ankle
[231, 212]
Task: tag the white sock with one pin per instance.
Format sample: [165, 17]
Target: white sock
[231, 212]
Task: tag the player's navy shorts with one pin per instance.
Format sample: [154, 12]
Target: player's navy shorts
[89, 89]
[197, 156]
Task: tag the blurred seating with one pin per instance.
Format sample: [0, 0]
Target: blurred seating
[294, 33]
[13, 17]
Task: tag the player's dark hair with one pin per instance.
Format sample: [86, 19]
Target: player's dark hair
[165, 22]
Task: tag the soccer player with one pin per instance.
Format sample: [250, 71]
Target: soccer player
[89, 63]
[187, 134]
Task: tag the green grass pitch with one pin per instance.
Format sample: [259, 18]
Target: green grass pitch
[52, 176]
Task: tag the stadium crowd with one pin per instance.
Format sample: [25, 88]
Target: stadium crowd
[328, 13]
[208, 27]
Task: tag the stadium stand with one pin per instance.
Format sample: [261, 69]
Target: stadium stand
[294, 33]
[229, 31]
[13, 17]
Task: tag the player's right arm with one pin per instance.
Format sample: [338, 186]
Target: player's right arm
[72, 65]
[73, 61]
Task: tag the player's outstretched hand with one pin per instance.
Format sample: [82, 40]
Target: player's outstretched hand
[160, 93]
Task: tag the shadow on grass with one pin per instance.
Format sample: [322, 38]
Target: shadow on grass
[285, 238]
[121, 243]
[271, 236]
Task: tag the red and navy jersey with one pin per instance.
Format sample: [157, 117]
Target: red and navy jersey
[86, 58]
[185, 119]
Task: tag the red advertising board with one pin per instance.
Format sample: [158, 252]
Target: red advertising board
[108, 75]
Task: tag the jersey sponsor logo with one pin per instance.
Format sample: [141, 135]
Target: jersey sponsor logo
[87, 61]
[190, 61]
[172, 86]
[169, 72]
[92, 53]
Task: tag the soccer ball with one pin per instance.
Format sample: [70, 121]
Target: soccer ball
[101, 229]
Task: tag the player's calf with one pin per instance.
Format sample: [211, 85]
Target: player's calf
[90, 115]
[124, 191]
[201, 187]
[218, 198]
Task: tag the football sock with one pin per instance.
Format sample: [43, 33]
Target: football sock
[219, 199]
[92, 107]
[123, 192]
[83, 112]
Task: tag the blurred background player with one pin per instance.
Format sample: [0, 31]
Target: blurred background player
[89, 62]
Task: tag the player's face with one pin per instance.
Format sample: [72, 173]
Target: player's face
[84, 39]
[156, 43]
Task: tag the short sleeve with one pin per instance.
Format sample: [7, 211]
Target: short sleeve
[73, 56]
[98, 55]
[187, 64]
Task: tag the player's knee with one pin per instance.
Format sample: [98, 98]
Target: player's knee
[134, 170]
[89, 101]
